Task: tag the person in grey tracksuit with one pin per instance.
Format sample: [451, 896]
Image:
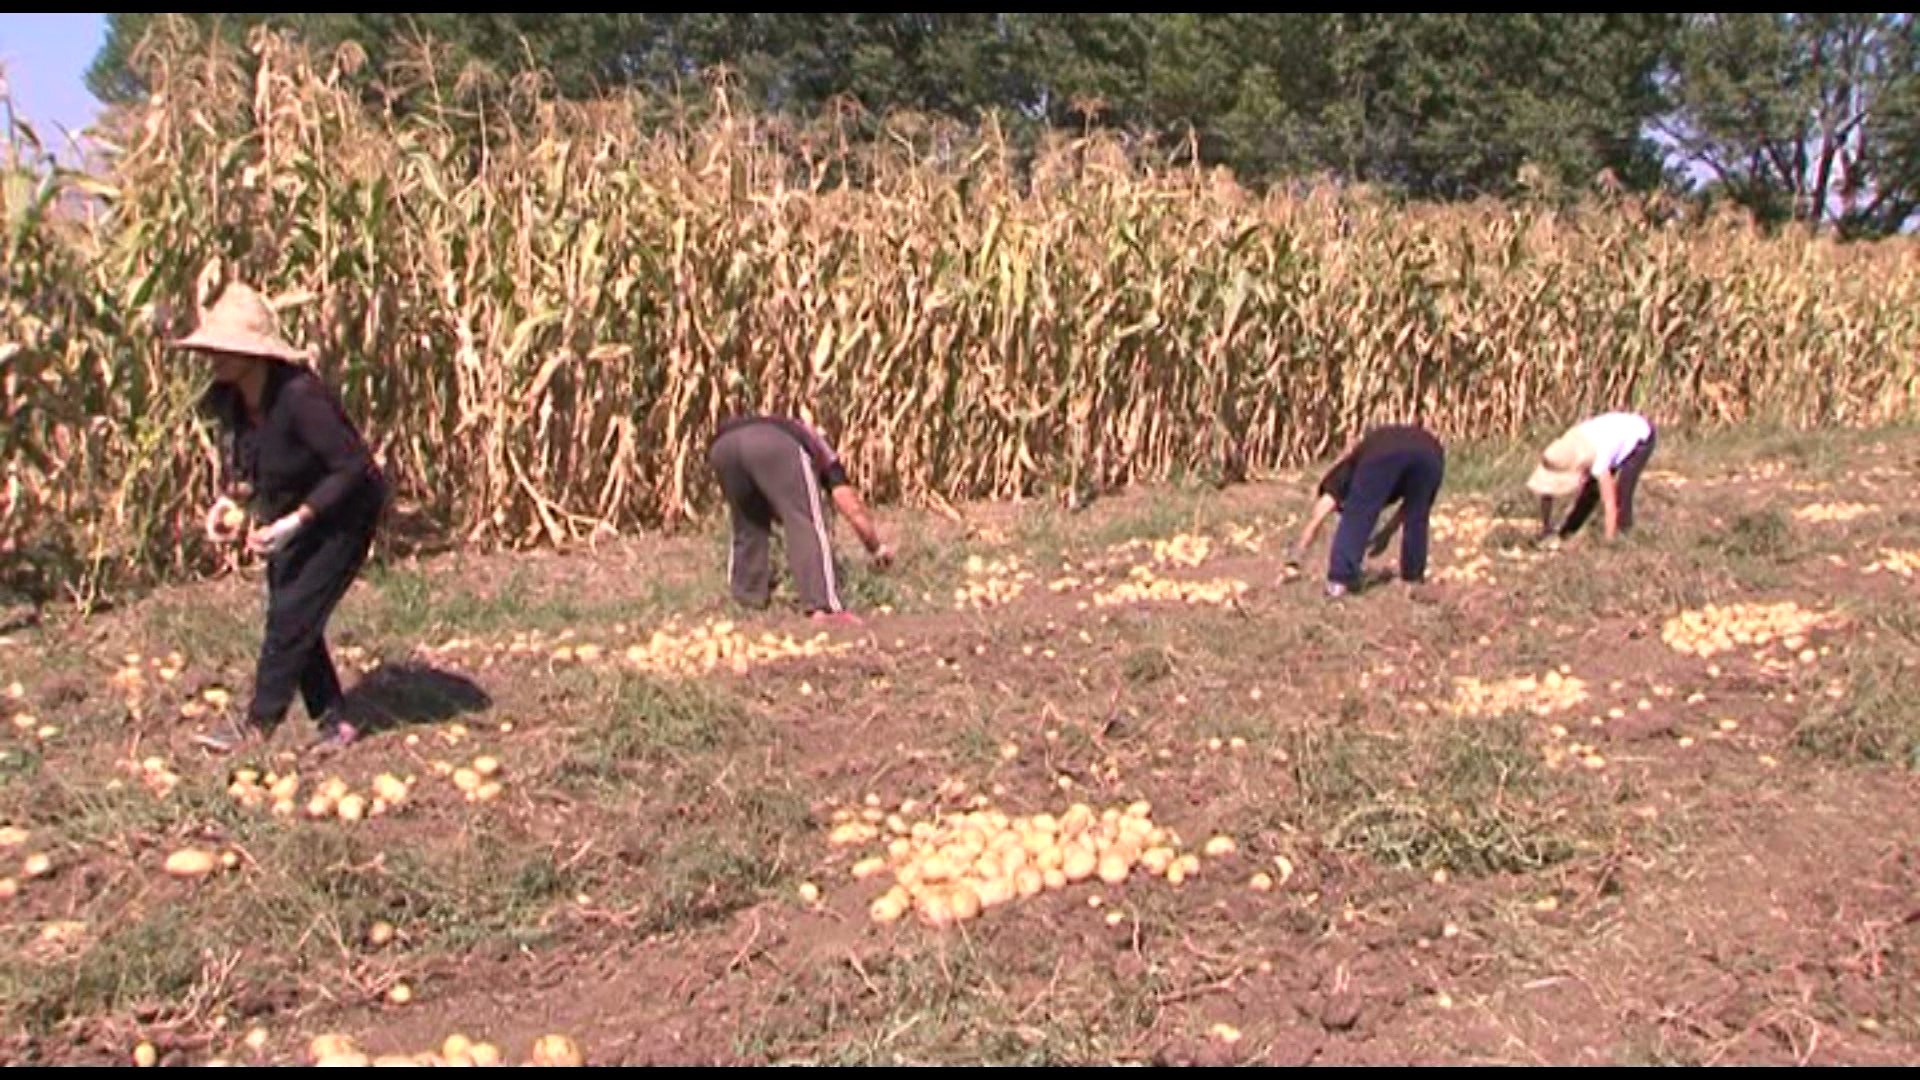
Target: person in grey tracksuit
[775, 467]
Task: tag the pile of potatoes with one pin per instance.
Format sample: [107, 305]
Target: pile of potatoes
[1832, 513]
[991, 583]
[1717, 629]
[334, 798]
[670, 650]
[1901, 563]
[340, 1051]
[954, 868]
[1186, 549]
[707, 647]
[479, 781]
[1144, 586]
[1543, 695]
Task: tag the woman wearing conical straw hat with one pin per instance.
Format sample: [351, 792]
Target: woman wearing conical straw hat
[316, 499]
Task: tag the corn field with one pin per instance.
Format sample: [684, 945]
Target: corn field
[539, 310]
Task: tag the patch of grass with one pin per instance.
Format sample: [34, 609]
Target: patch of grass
[155, 961]
[950, 1004]
[84, 812]
[1570, 589]
[972, 744]
[217, 634]
[1043, 534]
[1165, 513]
[726, 863]
[868, 588]
[19, 768]
[835, 1015]
[1649, 573]
[1498, 469]
[706, 875]
[1439, 626]
[1653, 1047]
[1902, 620]
[411, 605]
[303, 903]
[1469, 797]
[922, 576]
[503, 892]
[464, 893]
[1509, 537]
[1874, 723]
[1673, 574]
[451, 896]
[1757, 441]
[1817, 454]
[313, 889]
[405, 606]
[635, 719]
[1764, 534]
[1147, 665]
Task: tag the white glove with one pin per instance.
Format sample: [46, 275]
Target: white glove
[225, 520]
[275, 536]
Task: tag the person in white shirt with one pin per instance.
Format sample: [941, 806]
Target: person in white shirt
[1596, 463]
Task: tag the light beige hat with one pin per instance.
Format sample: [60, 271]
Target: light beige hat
[242, 322]
[1563, 466]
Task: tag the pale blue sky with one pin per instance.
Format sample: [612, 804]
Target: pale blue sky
[44, 59]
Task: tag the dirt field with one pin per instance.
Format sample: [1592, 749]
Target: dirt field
[1512, 816]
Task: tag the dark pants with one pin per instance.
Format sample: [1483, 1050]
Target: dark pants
[1627, 480]
[1409, 477]
[767, 474]
[305, 582]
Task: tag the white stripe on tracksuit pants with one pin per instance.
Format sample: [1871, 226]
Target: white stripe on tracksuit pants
[766, 475]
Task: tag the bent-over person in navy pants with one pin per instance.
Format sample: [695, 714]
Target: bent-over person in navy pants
[1401, 464]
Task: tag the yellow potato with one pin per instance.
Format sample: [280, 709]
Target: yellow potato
[965, 903]
[557, 1051]
[888, 908]
[1079, 863]
[190, 863]
[330, 1046]
[994, 892]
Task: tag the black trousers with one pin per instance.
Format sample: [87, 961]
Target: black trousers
[305, 582]
[1627, 480]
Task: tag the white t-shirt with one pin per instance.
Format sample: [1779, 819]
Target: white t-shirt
[1614, 437]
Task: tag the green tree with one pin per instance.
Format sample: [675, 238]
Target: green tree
[1810, 117]
[1437, 105]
